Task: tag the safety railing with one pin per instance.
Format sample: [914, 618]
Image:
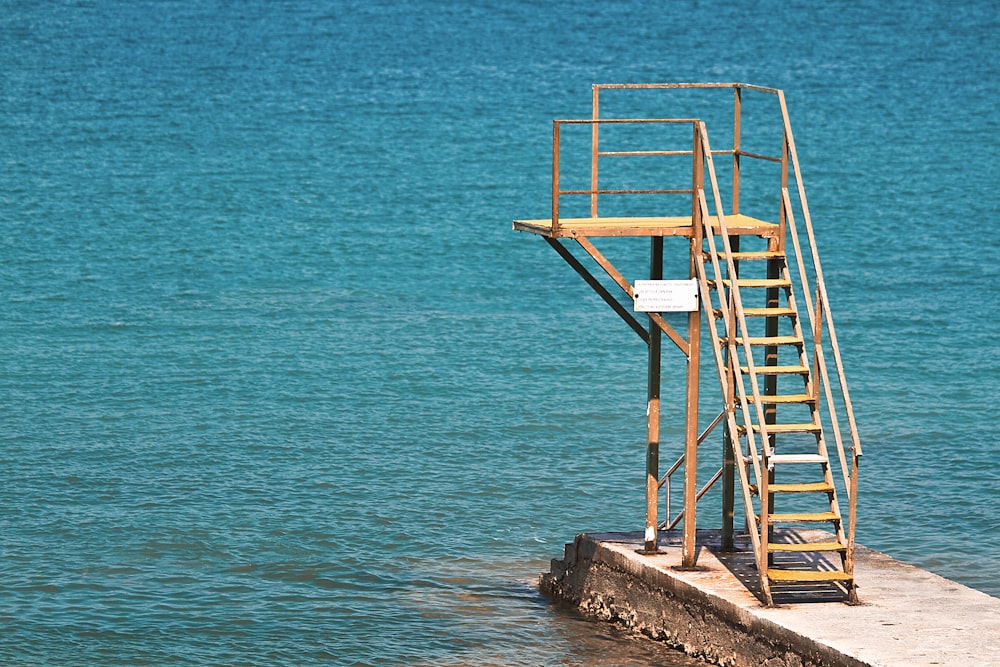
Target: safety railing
[837, 395]
[595, 191]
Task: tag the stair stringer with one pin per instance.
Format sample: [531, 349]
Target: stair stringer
[730, 378]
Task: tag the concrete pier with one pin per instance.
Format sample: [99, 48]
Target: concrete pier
[906, 616]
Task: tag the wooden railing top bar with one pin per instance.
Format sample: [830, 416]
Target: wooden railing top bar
[655, 86]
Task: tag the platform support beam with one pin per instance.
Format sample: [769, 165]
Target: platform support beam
[653, 407]
[688, 551]
[596, 285]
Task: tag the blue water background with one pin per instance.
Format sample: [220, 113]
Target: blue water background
[279, 385]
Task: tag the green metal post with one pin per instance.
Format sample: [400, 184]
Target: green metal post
[653, 408]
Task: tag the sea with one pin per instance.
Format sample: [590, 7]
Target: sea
[279, 384]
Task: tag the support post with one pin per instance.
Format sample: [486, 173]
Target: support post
[728, 489]
[771, 328]
[730, 441]
[594, 128]
[653, 408]
[737, 122]
[688, 553]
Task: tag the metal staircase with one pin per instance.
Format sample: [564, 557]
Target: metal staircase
[771, 397]
[757, 348]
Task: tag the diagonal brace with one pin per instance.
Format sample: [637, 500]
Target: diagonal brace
[599, 288]
[627, 287]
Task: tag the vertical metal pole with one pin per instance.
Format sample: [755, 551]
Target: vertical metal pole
[728, 488]
[653, 407]
[730, 441]
[851, 522]
[555, 178]
[771, 388]
[694, 348]
[594, 143]
[782, 213]
[688, 552]
[737, 113]
[771, 328]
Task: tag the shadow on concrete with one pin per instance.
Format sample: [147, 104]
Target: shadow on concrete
[741, 564]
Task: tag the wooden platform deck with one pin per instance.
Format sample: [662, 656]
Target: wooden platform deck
[641, 226]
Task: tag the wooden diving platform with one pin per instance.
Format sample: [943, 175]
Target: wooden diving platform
[642, 226]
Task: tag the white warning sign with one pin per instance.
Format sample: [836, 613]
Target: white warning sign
[665, 296]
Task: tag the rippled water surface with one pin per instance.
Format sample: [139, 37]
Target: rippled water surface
[280, 386]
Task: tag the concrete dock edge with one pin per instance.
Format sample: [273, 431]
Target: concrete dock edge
[907, 616]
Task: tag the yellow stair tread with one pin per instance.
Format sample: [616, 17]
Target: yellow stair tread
[764, 254]
[807, 575]
[803, 517]
[806, 547]
[789, 428]
[754, 282]
[768, 312]
[764, 340]
[770, 399]
[807, 487]
[762, 312]
[777, 370]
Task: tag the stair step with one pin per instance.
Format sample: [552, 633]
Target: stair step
[762, 312]
[789, 428]
[806, 547]
[807, 575]
[739, 256]
[754, 282]
[803, 517]
[768, 399]
[765, 340]
[778, 370]
[796, 458]
[807, 487]
[769, 312]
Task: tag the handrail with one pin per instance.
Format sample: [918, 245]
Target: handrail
[820, 283]
[594, 190]
[671, 86]
[824, 314]
[821, 373]
[744, 330]
[669, 523]
[820, 317]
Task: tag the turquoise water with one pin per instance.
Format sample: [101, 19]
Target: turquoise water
[280, 386]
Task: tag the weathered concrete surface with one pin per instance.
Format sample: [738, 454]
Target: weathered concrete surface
[906, 616]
